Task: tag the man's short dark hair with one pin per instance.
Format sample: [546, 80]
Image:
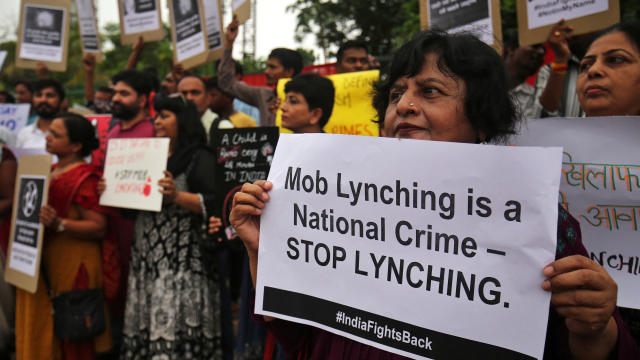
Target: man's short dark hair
[137, 80]
[290, 59]
[28, 84]
[317, 90]
[105, 89]
[49, 83]
[351, 44]
[204, 83]
[212, 83]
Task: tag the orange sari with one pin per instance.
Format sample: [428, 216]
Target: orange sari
[71, 264]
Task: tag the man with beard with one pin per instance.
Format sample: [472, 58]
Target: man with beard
[129, 107]
[282, 63]
[48, 95]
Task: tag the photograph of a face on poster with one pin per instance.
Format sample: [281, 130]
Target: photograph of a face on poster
[186, 19]
[139, 16]
[42, 33]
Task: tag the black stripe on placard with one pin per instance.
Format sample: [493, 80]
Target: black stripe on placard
[394, 333]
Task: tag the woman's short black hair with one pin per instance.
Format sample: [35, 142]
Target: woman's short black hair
[80, 130]
[630, 28]
[190, 129]
[317, 90]
[488, 104]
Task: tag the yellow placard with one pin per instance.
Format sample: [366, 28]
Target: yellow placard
[353, 113]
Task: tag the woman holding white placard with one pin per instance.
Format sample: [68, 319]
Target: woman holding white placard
[437, 89]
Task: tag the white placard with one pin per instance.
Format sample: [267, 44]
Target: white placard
[14, 117]
[362, 204]
[600, 187]
[188, 29]
[132, 170]
[461, 16]
[43, 33]
[545, 12]
[139, 16]
[214, 26]
[88, 25]
[3, 56]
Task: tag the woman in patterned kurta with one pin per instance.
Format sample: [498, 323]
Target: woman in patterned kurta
[172, 308]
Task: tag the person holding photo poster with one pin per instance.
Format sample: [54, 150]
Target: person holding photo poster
[75, 226]
[173, 300]
[609, 85]
[436, 90]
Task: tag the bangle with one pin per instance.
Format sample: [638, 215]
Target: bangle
[556, 66]
[61, 225]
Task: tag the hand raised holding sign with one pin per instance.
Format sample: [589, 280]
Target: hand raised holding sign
[245, 213]
[232, 31]
[559, 41]
[48, 216]
[585, 295]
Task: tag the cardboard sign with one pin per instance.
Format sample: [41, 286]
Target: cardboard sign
[13, 117]
[537, 17]
[244, 155]
[188, 32]
[600, 187]
[352, 112]
[417, 260]
[43, 34]
[25, 241]
[481, 18]
[101, 123]
[215, 29]
[242, 8]
[132, 170]
[88, 24]
[140, 18]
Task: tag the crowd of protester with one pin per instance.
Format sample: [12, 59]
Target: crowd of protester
[172, 284]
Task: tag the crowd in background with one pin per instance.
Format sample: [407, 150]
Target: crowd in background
[174, 289]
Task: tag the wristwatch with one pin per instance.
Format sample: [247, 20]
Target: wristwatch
[61, 226]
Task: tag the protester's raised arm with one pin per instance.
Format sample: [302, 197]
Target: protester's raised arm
[134, 57]
[558, 40]
[89, 66]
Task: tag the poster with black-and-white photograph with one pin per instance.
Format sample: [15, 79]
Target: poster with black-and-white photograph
[43, 33]
[140, 18]
[213, 23]
[479, 17]
[189, 35]
[88, 26]
[25, 239]
[24, 251]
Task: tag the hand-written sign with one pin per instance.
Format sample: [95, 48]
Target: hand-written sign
[348, 218]
[352, 112]
[132, 170]
[600, 187]
[244, 155]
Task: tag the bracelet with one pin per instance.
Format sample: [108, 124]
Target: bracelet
[555, 67]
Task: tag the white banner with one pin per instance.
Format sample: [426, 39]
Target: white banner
[546, 12]
[132, 170]
[426, 249]
[600, 187]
